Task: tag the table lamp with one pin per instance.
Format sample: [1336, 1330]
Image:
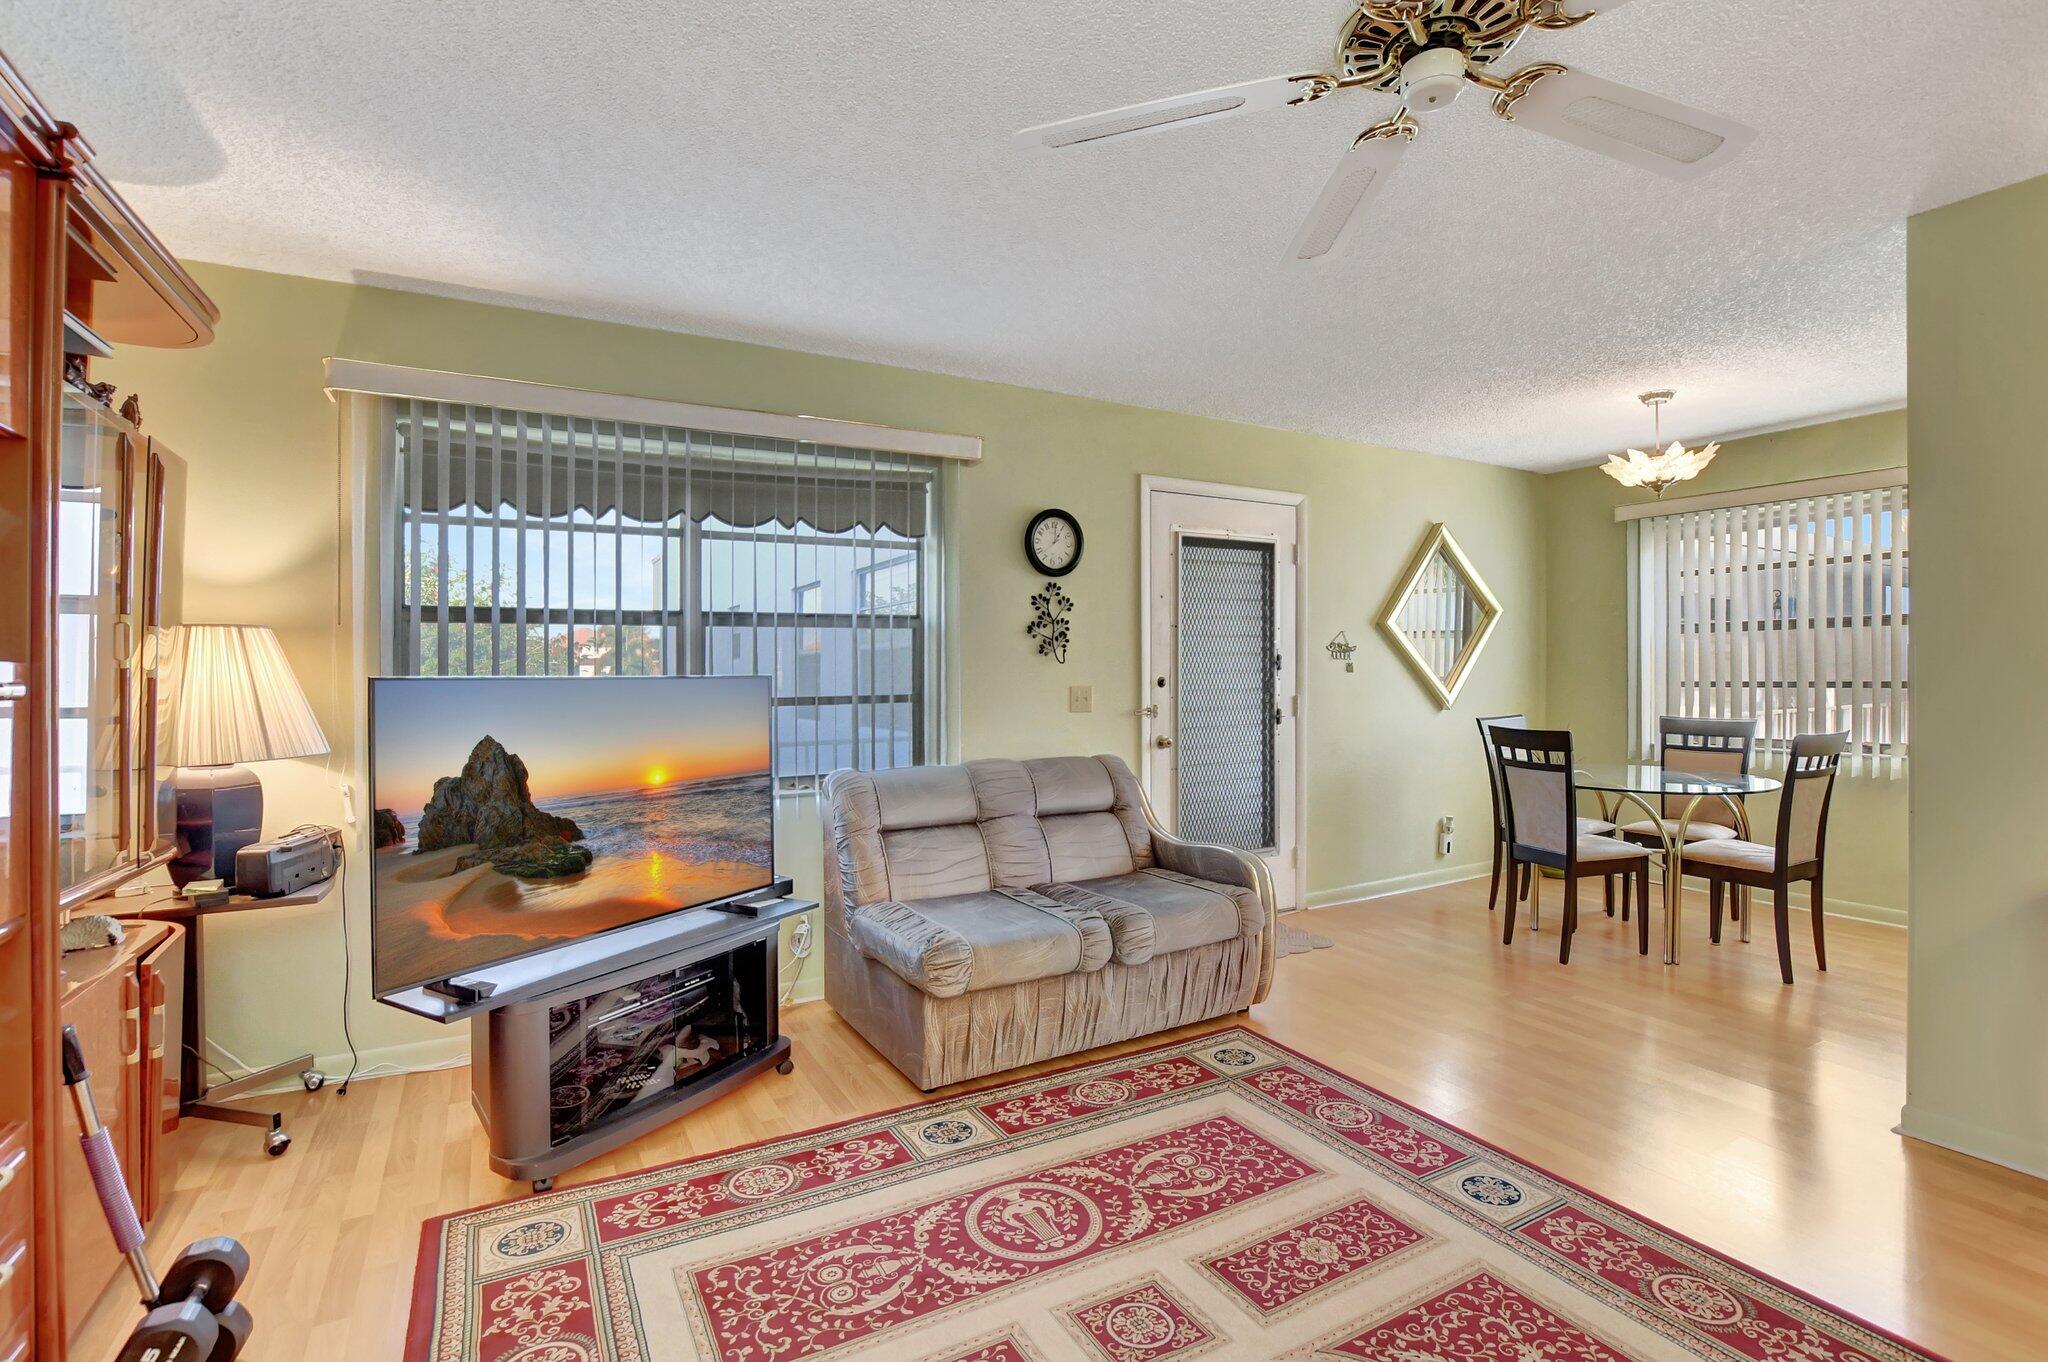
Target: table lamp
[231, 698]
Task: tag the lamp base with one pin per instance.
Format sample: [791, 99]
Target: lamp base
[220, 811]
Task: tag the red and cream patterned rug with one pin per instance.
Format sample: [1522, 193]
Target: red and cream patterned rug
[1217, 1198]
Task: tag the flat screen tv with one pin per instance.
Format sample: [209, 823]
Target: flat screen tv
[515, 814]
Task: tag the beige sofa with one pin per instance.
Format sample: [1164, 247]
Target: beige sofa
[983, 916]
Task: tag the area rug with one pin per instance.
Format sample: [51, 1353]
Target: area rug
[1217, 1198]
[1293, 940]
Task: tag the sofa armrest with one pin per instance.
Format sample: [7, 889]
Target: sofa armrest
[925, 954]
[1226, 865]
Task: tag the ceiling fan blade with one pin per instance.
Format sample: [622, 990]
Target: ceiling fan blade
[1164, 115]
[1356, 182]
[1642, 129]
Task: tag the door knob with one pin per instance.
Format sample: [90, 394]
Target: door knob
[1162, 741]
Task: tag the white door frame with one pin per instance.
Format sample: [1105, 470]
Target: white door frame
[1147, 486]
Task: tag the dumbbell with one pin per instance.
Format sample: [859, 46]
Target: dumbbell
[193, 1315]
[202, 1280]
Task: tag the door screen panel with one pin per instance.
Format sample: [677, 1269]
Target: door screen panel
[1225, 724]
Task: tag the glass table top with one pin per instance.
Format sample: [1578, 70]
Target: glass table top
[1650, 778]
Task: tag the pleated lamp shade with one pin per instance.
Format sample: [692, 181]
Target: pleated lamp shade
[233, 698]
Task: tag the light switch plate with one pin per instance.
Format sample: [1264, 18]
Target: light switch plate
[1080, 699]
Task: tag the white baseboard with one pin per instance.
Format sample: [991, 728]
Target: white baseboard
[1398, 884]
[2020, 1153]
[1881, 914]
[446, 1052]
[1884, 915]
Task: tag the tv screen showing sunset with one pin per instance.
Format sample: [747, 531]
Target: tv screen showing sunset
[514, 814]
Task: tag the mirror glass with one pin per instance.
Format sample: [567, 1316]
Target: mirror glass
[1440, 615]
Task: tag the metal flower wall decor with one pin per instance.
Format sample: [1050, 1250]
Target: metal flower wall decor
[1049, 625]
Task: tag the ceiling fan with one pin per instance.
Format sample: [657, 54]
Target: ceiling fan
[1428, 51]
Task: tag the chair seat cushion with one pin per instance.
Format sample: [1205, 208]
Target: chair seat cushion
[1734, 853]
[1609, 849]
[1184, 912]
[1594, 827]
[963, 943]
[1694, 832]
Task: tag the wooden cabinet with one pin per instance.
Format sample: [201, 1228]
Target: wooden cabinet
[68, 244]
[115, 998]
[113, 489]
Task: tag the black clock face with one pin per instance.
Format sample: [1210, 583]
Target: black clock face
[1053, 543]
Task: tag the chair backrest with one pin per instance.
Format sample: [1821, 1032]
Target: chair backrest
[1500, 813]
[1809, 787]
[1536, 777]
[1708, 747]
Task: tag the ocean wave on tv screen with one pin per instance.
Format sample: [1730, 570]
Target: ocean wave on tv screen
[727, 819]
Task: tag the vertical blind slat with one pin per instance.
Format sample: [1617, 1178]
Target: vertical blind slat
[1794, 612]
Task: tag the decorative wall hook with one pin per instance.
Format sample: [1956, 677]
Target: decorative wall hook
[1341, 649]
[1049, 621]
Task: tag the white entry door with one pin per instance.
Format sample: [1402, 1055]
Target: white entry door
[1222, 670]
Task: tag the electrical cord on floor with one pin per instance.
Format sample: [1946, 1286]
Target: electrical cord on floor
[355, 1060]
[800, 932]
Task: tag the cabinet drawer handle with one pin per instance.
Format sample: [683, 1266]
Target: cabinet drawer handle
[11, 1167]
[13, 1261]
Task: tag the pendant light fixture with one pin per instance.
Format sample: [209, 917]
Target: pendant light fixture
[1660, 467]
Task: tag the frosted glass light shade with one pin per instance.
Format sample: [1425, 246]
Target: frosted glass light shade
[232, 698]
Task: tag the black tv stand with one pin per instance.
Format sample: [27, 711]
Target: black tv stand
[578, 1050]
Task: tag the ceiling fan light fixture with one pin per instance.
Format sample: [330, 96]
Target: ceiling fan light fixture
[1433, 79]
[1660, 467]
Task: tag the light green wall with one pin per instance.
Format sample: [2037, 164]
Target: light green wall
[1587, 663]
[249, 415]
[1978, 338]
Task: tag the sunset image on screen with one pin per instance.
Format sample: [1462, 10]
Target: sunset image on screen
[518, 813]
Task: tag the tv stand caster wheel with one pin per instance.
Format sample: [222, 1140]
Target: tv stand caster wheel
[786, 1066]
[313, 1079]
[543, 1184]
[276, 1142]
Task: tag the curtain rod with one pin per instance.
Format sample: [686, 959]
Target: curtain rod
[437, 385]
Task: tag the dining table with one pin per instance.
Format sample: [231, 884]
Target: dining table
[1620, 784]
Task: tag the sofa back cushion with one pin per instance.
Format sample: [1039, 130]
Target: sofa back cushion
[929, 831]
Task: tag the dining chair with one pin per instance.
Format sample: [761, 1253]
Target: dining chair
[1799, 855]
[1706, 747]
[1541, 794]
[1500, 823]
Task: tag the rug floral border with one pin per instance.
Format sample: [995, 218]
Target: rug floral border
[1583, 1238]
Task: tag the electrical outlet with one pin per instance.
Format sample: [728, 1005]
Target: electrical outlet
[800, 937]
[1445, 827]
[1080, 699]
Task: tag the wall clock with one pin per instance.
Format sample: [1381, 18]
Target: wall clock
[1052, 541]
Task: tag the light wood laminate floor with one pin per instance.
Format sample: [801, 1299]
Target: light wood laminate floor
[1753, 1117]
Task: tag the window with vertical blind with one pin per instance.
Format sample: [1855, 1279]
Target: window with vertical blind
[1796, 611]
[525, 543]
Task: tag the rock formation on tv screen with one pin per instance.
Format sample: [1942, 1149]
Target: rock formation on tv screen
[490, 805]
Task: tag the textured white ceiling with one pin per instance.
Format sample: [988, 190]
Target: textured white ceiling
[836, 178]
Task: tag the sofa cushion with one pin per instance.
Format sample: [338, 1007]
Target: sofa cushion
[1185, 912]
[1085, 846]
[963, 943]
[1133, 937]
[931, 862]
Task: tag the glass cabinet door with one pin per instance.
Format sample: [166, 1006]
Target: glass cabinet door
[94, 635]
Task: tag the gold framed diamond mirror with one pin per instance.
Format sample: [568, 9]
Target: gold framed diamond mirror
[1440, 615]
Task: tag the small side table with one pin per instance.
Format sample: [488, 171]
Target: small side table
[195, 1097]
